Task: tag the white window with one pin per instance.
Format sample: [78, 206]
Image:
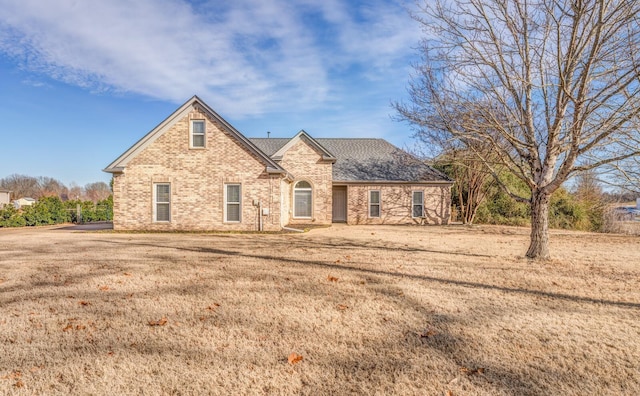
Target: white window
[232, 203]
[197, 133]
[302, 200]
[418, 204]
[162, 202]
[374, 203]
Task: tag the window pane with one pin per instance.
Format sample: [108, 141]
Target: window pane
[198, 126]
[302, 207]
[417, 211]
[162, 192]
[198, 140]
[374, 211]
[418, 205]
[374, 197]
[162, 212]
[233, 193]
[303, 184]
[233, 212]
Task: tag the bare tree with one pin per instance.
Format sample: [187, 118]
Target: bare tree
[555, 85]
[625, 175]
[97, 191]
[471, 176]
[21, 186]
[50, 187]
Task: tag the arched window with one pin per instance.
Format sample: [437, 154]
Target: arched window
[302, 199]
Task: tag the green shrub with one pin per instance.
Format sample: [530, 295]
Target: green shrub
[51, 210]
[47, 211]
[501, 208]
[101, 211]
[11, 217]
[566, 212]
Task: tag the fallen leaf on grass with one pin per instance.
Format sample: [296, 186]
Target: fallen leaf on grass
[332, 278]
[104, 288]
[213, 306]
[342, 307]
[468, 371]
[84, 303]
[70, 326]
[19, 384]
[338, 261]
[294, 358]
[428, 333]
[126, 274]
[161, 322]
[12, 375]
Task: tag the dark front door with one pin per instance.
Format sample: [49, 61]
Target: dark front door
[339, 204]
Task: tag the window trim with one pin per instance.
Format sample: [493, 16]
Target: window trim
[413, 203]
[192, 133]
[378, 204]
[155, 202]
[239, 203]
[295, 189]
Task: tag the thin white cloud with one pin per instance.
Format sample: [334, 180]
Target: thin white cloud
[244, 58]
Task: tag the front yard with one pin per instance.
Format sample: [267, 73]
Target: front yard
[362, 310]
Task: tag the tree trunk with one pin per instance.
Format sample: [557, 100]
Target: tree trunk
[539, 246]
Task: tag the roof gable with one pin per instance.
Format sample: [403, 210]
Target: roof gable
[366, 160]
[195, 102]
[304, 136]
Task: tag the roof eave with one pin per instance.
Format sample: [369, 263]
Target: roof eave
[329, 159]
[117, 169]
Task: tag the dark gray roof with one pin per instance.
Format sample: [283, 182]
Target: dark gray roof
[365, 160]
[269, 146]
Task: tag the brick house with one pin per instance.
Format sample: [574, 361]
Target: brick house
[194, 171]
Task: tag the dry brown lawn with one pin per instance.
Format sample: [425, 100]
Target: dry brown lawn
[370, 310]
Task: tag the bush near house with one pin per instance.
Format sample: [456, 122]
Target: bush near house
[566, 211]
[11, 217]
[52, 210]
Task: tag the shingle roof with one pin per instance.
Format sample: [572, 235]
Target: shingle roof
[365, 160]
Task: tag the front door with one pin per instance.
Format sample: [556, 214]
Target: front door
[339, 204]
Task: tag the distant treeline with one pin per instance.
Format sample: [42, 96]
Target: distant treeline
[37, 187]
[52, 210]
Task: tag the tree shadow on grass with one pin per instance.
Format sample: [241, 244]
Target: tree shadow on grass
[361, 270]
[360, 364]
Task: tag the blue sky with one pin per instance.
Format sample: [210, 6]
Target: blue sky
[81, 81]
